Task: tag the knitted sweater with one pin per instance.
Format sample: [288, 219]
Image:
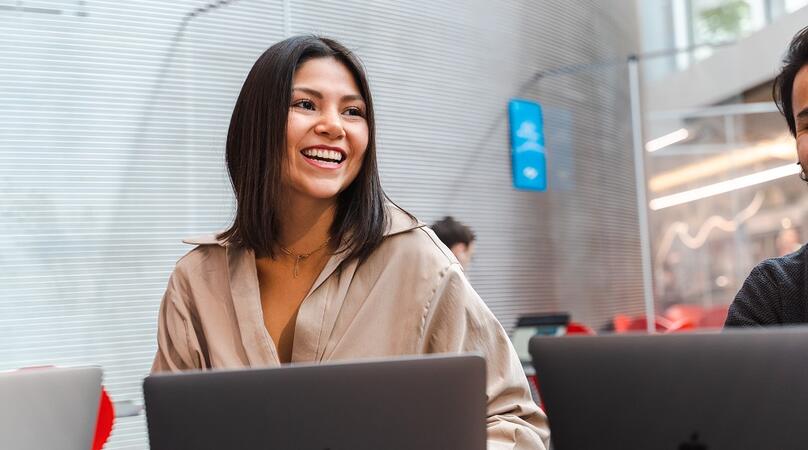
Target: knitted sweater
[774, 293]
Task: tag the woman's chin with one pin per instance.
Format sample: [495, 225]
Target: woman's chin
[319, 192]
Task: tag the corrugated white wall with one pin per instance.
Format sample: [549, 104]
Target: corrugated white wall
[112, 125]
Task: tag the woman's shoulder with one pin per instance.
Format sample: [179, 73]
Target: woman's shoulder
[208, 254]
[408, 239]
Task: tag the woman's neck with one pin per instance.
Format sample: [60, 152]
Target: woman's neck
[306, 223]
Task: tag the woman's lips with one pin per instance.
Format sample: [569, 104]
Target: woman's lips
[322, 164]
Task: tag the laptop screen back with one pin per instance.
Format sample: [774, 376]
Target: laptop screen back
[735, 390]
[433, 403]
[49, 408]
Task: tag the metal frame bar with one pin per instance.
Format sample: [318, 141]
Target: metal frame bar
[642, 191]
[736, 109]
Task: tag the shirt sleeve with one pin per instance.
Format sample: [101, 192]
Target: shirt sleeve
[178, 347]
[758, 301]
[459, 321]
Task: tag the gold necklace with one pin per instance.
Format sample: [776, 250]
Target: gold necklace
[302, 256]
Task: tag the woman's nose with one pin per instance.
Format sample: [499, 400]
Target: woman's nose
[330, 125]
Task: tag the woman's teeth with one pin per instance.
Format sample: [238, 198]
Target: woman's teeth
[323, 155]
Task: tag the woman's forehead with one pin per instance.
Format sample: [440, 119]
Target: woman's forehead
[325, 75]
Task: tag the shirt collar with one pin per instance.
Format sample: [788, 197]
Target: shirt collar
[400, 221]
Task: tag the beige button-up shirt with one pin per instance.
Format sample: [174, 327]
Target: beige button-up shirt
[409, 297]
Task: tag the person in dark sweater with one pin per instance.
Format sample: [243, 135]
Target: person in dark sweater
[775, 292]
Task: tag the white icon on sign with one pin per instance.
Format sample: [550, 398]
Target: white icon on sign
[530, 173]
[527, 131]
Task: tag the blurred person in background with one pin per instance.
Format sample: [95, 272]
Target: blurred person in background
[776, 291]
[458, 237]
[788, 241]
[319, 265]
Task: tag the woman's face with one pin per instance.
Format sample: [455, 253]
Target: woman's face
[799, 104]
[326, 132]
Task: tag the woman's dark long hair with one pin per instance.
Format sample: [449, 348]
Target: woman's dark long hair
[256, 151]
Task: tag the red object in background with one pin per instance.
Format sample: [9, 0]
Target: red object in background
[714, 317]
[680, 325]
[691, 313]
[677, 318]
[103, 426]
[699, 316]
[579, 328]
[533, 383]
[625, 324]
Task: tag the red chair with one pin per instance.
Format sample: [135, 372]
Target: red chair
[691, 313]
[699, 316]
[628, 324]
[106, 417]
[579, 328]
[714, 317]
[680, 325]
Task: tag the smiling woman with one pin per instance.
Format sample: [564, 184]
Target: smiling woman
[319, 265]
[317, 91]
[326, 131]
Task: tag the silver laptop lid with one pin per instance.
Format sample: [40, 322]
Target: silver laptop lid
[49, 408]
[734, 390]
[433, 403]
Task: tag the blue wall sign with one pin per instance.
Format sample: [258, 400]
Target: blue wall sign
[527, 145]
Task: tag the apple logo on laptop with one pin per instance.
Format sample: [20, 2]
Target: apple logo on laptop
[693, 443]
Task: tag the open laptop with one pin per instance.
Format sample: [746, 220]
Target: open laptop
[49, 408]
[430, 403]
[735, 390]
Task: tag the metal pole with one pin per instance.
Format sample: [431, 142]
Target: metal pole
[642, 197]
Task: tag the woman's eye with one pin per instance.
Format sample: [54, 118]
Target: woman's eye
[354, 111]
[305, 104]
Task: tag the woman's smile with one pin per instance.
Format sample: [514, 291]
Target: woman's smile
[324, 156]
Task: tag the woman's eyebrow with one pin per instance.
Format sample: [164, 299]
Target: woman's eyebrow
[319, 95]
[309, 91]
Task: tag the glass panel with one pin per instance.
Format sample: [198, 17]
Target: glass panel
[723, 188]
